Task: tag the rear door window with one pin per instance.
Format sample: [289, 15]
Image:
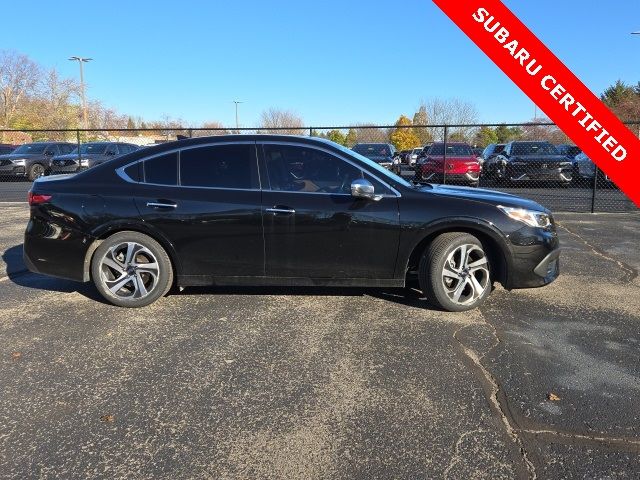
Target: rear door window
[219, 166]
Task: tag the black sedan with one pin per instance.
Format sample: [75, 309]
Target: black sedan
[529, 161]
[280, 210]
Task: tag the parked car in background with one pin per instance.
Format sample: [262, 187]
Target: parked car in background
[7, 148]
[584, 172]
[381, 153]
[491, 151]
[413, 156]
[461, 165]
[31, 160]
[89, 155]
[280, 210]
[529, 161]
[569, 151]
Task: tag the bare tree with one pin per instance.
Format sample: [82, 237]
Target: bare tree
[451, 111]
[370, 133]
[278, 121]
[216, 129]
[19, 77]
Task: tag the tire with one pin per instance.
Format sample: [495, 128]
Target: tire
[471, 287]
[131, 284]
[36, 170]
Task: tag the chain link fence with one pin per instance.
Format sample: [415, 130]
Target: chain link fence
[534, 160]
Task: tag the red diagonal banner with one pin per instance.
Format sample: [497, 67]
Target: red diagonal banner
[551, 86]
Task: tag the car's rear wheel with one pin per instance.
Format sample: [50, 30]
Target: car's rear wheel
[131, 269]
[455, 273]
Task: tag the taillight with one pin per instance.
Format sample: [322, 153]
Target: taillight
[38, 198]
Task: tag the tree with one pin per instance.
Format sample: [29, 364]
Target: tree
[351, 139]
[216, 129]
[623, 100]
[19, 79]
[403, 137]
[370, 133]
[506, 134]
[421, 118]
[131, 124]
[276, 121]
[336, 136]
[485, 136]
[452, 111]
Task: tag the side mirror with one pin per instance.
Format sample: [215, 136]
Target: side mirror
[361, 188]
[49, 153]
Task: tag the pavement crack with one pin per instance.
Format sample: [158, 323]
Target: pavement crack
[630, 272]
[617, 443]
[498, 407]
[456, 452]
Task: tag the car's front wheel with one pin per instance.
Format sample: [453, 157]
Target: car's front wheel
[455, 273]
[131, 269]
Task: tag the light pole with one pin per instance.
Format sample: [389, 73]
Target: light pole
[237, 124]
[80, 61]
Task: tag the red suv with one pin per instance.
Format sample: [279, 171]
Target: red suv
[462, 166]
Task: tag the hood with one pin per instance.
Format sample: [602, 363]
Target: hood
[440, 159]
[486, 196]
[74, 156]
[540, 158]
[17, 156]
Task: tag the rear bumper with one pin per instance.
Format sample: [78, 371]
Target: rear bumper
[55, 251]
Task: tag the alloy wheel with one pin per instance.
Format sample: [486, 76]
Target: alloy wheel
[129, 270]
[465, 275]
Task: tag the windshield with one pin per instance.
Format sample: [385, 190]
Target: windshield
[31, 148]
[453, 150]
[388, 174]
[373, 149]
[537, 148]
[95, 148]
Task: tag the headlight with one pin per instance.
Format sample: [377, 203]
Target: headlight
[84, 162]
[530, 217]
[20, 161]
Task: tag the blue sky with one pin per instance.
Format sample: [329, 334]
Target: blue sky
[332, 62]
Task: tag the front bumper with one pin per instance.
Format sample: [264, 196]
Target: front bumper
[535, 259]
[12, 170]
[439, 177]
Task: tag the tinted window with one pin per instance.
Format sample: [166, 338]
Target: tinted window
[133, 171]
[162, 170]
[31, 148]
[222, 166]
[534, 148]
[67, 148]
[51, 150]
[452, 150]
[373, 149]
[379, 188]
[301, 169]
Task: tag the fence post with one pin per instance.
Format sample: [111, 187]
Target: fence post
[311, 131]
[444, 159]
[78, 140]
[595, 187]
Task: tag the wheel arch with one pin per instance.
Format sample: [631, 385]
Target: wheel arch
[494, 243]
[105, 231]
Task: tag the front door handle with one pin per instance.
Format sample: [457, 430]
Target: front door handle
[277, 210]
[162, 204]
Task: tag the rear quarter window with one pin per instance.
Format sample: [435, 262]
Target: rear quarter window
[162, 170]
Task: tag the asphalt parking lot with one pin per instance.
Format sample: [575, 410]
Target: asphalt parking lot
[308, 383]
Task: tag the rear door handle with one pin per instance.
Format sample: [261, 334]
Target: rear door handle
[161, 204]
[276, 210]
